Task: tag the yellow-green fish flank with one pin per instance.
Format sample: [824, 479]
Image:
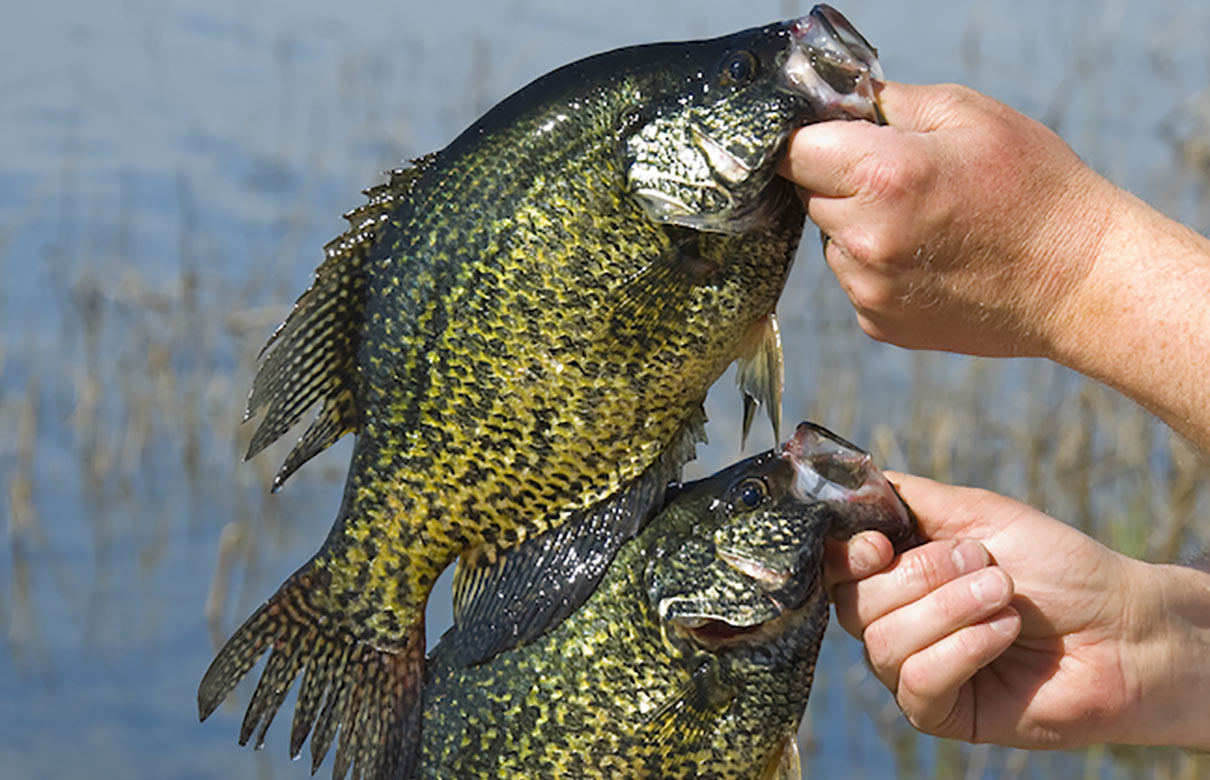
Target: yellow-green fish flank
[520, 329]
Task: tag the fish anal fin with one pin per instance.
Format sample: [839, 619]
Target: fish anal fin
[368, 695]
[761, 373]
[311, 358]
[506, 597]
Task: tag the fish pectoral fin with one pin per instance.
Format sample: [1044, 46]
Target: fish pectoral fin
[681, 724]
[311, 358]
[508, 599]
[372, 696]
[761, 373]
[785, 763]
[657, 294]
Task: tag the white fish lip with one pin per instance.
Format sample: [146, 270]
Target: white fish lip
[724, 164]
[773, 579]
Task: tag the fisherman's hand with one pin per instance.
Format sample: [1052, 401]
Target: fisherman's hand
[1012, 627]
[962, 226]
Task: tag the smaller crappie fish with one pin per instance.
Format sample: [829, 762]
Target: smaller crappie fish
[694, 657]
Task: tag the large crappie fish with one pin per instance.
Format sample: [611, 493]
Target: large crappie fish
[694, 657]
[521, 329]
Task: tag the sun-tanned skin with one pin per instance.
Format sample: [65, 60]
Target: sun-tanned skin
[968, 227]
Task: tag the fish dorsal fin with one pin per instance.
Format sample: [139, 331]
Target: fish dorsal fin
[312, 356]
[673, 732]
[513, 596]
[785, 763]
[761, 374]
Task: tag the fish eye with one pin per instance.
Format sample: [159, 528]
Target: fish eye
[751, 493]
[738, 68]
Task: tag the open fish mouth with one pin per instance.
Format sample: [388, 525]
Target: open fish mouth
[829, 468]
[714, 634]
[833, 64]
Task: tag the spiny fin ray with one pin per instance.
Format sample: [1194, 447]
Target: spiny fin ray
[761, 373]
[311, 358]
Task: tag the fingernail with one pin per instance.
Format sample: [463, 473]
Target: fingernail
[990, 587]
[863, 556]
[1006, 624]
[968, 555]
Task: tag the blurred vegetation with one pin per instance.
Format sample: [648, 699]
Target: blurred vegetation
[123, 385]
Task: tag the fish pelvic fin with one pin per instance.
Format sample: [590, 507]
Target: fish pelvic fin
[784, 763]
[761, 373]
[311, 358]
[511, 598]
[369, 695]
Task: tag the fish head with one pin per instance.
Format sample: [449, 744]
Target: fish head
[703, 155]
[744, 557]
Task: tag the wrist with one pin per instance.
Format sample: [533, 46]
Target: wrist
[1137, 319]
[1075, 253]
[1167, 641]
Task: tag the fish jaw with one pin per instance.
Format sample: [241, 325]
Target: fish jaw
[719, 634]
[828, 468]
[833, 66]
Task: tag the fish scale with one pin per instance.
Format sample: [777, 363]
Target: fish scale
[521, 330]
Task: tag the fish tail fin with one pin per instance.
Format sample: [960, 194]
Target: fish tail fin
[371, 696]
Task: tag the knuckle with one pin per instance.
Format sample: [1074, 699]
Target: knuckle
[923, 721]
[872, 329]
[954, 99]
[893, 178]
[920, 700]
[869, 293]
[855, 243]
[880, 648]
[931, 566]
[916, 684]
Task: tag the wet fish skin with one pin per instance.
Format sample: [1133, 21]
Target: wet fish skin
[520, 329]
[695, 656]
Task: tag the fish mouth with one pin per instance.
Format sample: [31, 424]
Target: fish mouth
[833, 65]
[829, 468]
[716, 634]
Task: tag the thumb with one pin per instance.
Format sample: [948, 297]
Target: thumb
[945, 511]
[824, 158]
[918, 108]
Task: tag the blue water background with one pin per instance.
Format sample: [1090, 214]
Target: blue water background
[168, 174]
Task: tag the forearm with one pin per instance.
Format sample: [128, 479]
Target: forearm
[1140, 320]
[1168, 658]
